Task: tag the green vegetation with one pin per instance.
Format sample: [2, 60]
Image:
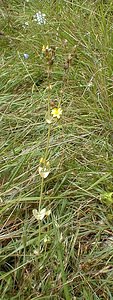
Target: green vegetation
[69, 253]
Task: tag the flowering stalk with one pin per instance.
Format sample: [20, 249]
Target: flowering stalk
[52, 114]
[39, 208]
[49, 125]
[44, 168]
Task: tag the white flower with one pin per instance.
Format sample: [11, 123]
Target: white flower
[43, 172]
[26, 55]
[25, 25]
[44, 168]
[36, 252]
[48, 118]
[40, 18]
[46, 239]
[40, 215]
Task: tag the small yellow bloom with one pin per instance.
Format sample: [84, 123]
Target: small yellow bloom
[50, 87]
[56, 112]
[43, 49]
[42, 160]
[47, 48]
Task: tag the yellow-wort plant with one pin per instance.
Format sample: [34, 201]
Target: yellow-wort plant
[53, 114]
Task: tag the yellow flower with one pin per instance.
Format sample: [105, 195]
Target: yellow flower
[42, 160]
[44, 49]
[56, 112]
[44, 168]
[47, 48]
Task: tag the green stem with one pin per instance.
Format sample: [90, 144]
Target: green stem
[48, 140]
[46, 155]
[41, 193]
[40, 202]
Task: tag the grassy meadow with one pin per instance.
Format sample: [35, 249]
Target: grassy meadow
[56, 171]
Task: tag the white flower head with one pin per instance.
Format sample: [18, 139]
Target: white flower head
[40, 215]
[40, 18]
[26, 56]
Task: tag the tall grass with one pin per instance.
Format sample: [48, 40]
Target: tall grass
[73, 258]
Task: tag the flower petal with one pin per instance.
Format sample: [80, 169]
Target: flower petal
[39, 216]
